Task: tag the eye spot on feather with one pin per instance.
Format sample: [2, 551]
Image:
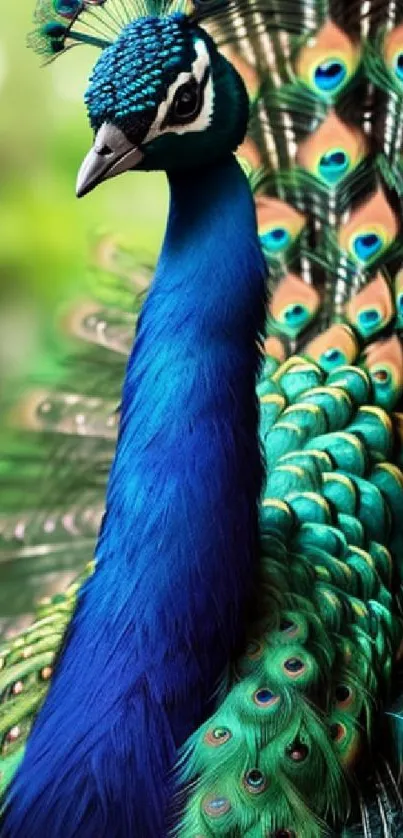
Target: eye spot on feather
[370, 230]
[265, 698]
[333, 356]
[293, 305]
[296, 315]
[216, 807]
[381, 376]
[333, 165]
[254, 650]
[286, 625]
[218, 736]
[279, 225]
[327, 61]
[255, 781]
[13, 734]
[343, 694]
[384, 362]
[294, 311]
[289, 628]
[330, 75]
[46, 673]
[393, 52]
[366, 246]
[275, 240]
[17, 688]
[27, 653]
[338, 732]
[294, 667]
[297, 751]
[369, 317]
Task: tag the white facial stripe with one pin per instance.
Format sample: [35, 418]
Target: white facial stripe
[201, 122]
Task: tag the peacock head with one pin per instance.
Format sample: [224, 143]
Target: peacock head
[161, 95]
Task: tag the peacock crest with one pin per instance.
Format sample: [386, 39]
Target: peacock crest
[62, 24]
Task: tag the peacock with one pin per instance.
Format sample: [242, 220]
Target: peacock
[229, 664]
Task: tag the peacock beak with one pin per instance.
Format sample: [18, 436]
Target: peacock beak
[111, 154]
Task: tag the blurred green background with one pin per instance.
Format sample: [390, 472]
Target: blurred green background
[45, 232]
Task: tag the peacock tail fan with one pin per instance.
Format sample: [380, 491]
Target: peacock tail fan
[58, 454]
[57, 451]
[326, 128]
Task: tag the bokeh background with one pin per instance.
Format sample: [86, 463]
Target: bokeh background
[45, 232]
[47, 251]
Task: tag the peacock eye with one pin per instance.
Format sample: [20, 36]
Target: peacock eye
[329, 75]
[337, 731]
[186, 102]
[216, 807]
[342, 693]
[217, 736]
[255, 781]
[265, 698]
[297, 751]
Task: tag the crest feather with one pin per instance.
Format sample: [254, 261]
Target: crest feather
[61, 24]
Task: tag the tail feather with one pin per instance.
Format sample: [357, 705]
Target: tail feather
[304, 700]
[62, 438]
[26, 667]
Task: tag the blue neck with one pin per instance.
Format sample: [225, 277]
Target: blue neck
[176, 554]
